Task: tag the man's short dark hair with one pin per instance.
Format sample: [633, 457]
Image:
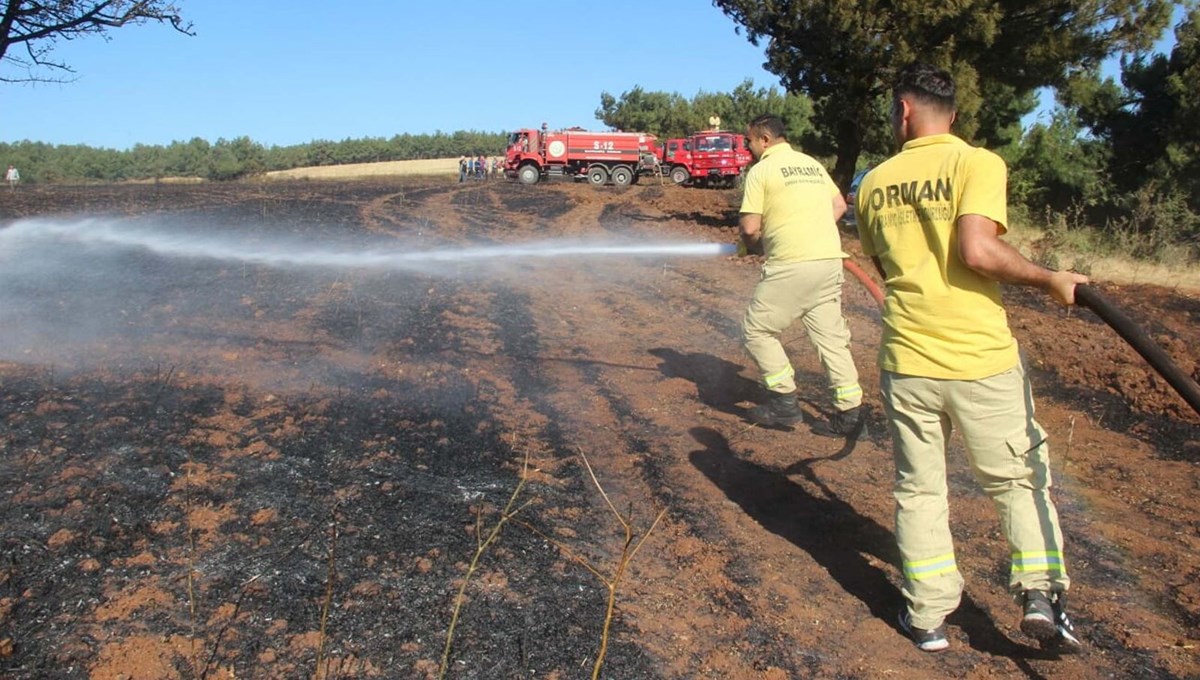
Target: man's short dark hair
[925, 83]
[770, 124]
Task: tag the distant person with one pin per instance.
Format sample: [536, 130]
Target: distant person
[930, 218]
[462, 169]
[481, 167]
[12, 177]
[790, 208]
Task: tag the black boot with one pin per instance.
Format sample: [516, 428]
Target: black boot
[780, 409]
[848, 423]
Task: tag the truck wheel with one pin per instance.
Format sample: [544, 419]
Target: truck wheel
[622, 176]
[679, 175]
[597, 175]
[529, 174]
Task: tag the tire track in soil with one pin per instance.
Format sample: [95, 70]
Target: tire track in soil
[621, 418]
[496, 344]
[635, 437]
[692, 521]
[724, 615]
[393, 211]
[731, 606]
[567, 508]
[771, 649]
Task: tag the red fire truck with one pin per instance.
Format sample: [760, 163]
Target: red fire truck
[713, 157]
[600, 157]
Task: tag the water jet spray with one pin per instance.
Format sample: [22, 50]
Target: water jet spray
[94, 231]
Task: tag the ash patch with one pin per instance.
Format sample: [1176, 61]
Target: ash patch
[536, 201]
[364, 504]
[618, 214]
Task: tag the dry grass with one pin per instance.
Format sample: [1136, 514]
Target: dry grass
[429, 166]
[1128, 272]
[481, 546]
[611, 581]
[1104, 268]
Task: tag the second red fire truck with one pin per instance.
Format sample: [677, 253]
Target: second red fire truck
[714, 157]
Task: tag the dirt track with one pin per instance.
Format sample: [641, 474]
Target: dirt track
[235, 458]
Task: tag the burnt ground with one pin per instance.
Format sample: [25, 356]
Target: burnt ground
[233, 470]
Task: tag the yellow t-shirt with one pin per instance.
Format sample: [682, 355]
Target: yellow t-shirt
[941, 318]
[794, 194]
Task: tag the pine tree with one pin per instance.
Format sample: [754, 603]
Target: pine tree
[843, 55]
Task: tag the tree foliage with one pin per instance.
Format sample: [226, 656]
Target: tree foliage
[844, 54]
[1055, 167]
[1151, 119]
[669, 115]
[231, 159]
[34, 27]
[1149, 125]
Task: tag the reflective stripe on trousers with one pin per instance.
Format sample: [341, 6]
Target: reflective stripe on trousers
[1009, 457]
[811, 292]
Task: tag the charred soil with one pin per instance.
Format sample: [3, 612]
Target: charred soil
[265, 473]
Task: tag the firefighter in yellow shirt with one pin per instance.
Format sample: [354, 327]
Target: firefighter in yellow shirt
[930, 218]
[790, 208]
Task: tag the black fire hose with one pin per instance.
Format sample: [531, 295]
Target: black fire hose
[1086, 296]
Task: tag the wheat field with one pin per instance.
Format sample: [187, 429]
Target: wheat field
[427, 166]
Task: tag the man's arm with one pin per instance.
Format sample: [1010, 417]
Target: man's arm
[750, 226]
[839, 207]
[981, 249]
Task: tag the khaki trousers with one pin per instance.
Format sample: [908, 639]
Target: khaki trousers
[1010, 459]
[812, 292]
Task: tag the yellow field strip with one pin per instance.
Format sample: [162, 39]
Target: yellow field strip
[429, 166]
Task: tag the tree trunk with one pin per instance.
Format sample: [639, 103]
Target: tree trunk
[849, 146]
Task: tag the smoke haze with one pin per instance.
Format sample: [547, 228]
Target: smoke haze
[148, 291]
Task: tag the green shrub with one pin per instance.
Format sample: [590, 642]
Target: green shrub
[1156, 225]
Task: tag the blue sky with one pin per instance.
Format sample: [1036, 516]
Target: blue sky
[287, 73]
